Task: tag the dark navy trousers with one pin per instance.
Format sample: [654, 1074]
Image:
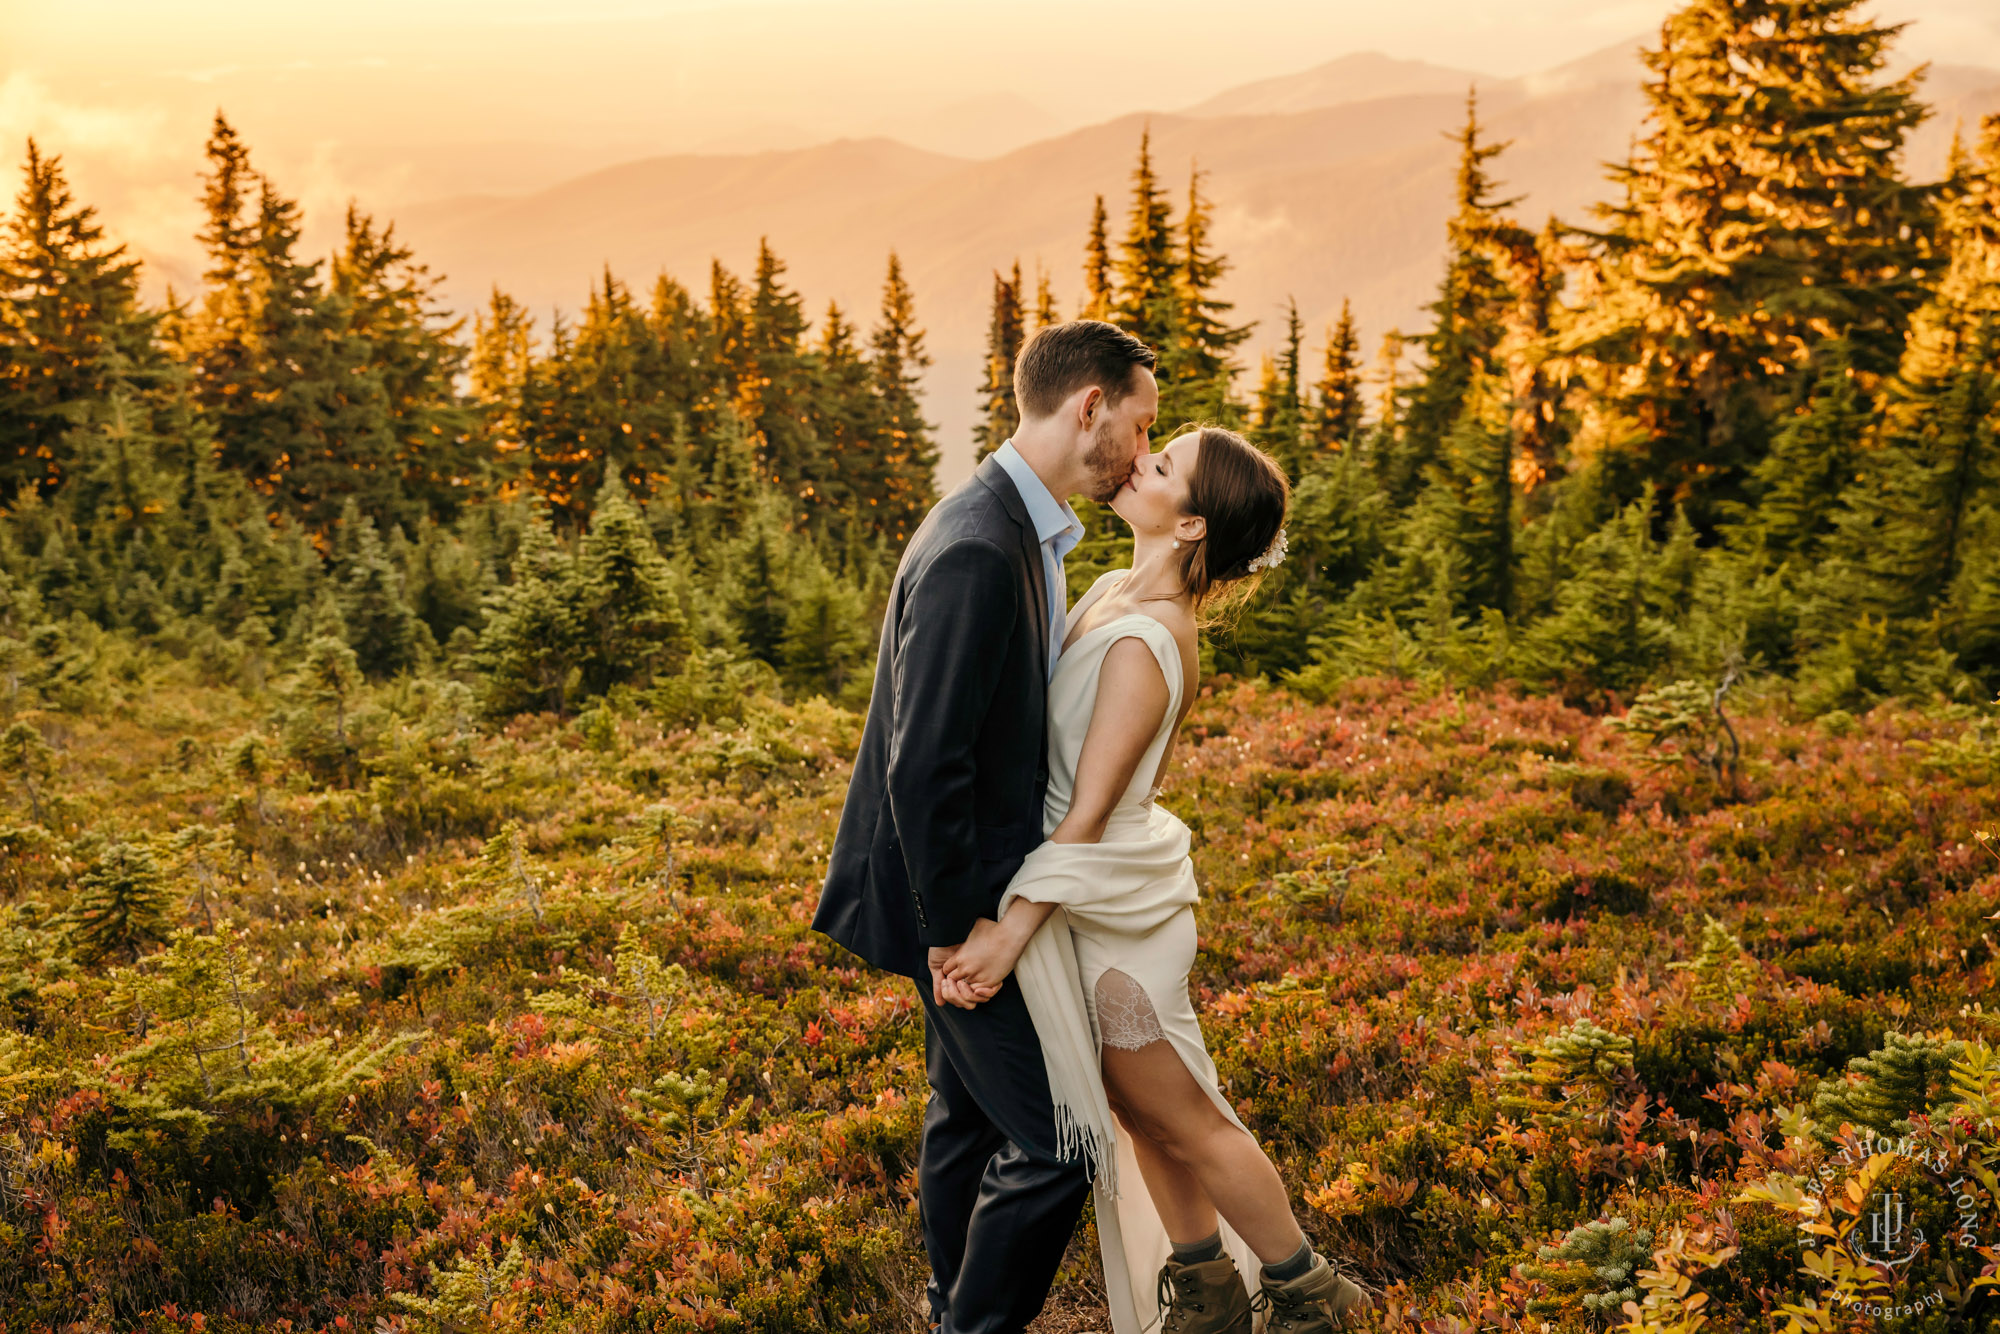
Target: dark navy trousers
[997, 1204]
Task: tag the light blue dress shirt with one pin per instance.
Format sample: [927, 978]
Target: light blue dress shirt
[1056, 527]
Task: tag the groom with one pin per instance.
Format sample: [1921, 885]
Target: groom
[946, 801]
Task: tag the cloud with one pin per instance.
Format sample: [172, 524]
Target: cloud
[130, 135]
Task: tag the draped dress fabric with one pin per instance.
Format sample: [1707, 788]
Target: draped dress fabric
[1110, 967]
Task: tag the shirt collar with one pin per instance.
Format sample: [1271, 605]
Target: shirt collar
[1052, 518]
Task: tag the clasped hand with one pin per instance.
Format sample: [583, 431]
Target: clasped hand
[968, 974]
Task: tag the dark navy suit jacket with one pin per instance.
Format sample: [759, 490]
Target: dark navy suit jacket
[946, 797]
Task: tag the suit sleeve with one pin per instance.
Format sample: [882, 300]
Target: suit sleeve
[952, 641]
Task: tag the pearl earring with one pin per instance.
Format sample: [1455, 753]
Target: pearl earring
[1177, 544]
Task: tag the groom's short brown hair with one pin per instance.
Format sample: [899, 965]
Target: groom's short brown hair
[1063, 358]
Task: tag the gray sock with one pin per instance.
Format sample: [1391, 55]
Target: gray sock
[1294, 1266]
[1194, 1252]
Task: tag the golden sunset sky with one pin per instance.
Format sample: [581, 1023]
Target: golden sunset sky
[397, 101]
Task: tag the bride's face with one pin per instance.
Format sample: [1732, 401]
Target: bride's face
[1154, 499]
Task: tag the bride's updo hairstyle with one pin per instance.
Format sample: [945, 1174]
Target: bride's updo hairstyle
[1243, 494]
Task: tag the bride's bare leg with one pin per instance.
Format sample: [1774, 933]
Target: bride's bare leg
[1184, 1207]
[1205, 1158]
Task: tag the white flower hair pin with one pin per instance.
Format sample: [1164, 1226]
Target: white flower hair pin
[1274, 555]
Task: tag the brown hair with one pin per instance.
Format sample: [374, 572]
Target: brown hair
[1063, 358]
[1243, 493]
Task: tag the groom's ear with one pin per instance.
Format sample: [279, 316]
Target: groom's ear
[1089, 402]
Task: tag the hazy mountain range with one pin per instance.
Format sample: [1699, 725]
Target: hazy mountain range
[1331, 183]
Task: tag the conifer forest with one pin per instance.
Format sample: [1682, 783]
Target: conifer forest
[421, 738]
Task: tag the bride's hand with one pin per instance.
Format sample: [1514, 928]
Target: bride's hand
[985, 959]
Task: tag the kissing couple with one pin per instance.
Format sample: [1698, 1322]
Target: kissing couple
[1001, 847]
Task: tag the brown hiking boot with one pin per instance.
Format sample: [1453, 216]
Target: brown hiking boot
[1313, 1303]
[1205, 1298]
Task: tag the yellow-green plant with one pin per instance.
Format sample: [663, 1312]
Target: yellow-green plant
[1583, 1061]
[638, 997]
[1722, 968]
[1670, 1304]
[473, 1296]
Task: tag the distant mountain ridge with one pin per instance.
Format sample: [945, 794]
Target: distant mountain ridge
[1361, 77]
[1330, 184]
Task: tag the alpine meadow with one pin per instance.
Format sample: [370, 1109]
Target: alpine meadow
[421, 738]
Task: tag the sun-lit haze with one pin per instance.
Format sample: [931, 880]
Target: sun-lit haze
[409, 107]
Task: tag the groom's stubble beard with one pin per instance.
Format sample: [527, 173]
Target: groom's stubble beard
[1107, 470]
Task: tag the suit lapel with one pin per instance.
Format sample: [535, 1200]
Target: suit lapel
[1001, 484]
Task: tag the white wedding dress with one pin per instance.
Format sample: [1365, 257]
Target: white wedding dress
[1110, 967]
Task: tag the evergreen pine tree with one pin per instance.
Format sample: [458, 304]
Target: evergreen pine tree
[726, 347]
[1198, 361]
[847, 418]
[1904, 532]
[1280, 410]
[71, 329]
[1468, 504]
[26, 754]
[1337, 417]
[317, 730]
[402, 352]
[758, 570]
[498, 371]
[383, 629]
[775, 394]
[998, 412]
[1045, 299]
[1097, 289]
[827, 635]
[1763, 211]
[122, 903]
[1906, 1077]
[263, 348]
[530, 648]
[1146, 304]
[626, 599]
[1608, 629]
[909, 457]
[1466, 317]
[1798, 487]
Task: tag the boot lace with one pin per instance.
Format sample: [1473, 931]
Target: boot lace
[1285, 1314]
[1176, 1309]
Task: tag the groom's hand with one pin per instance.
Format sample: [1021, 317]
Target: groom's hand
[951, 991]
[943, 990]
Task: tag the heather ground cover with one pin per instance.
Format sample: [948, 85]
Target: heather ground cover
[524, 1028]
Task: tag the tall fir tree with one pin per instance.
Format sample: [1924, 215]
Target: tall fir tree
[909, 456]
[531, 647]
[627, 601]
[498, 370]
[399, 360]
[1045, 299]
[1466, 316]
[847, 418]
[998, 414]
[72, 331]
[1097, 282]
[774, 394]
[1198, 361]
[1338, 408]
[1763, 211]
[1146, 303]
[263, 346]
[1280, 424]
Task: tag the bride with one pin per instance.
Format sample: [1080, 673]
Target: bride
[1098, 924]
